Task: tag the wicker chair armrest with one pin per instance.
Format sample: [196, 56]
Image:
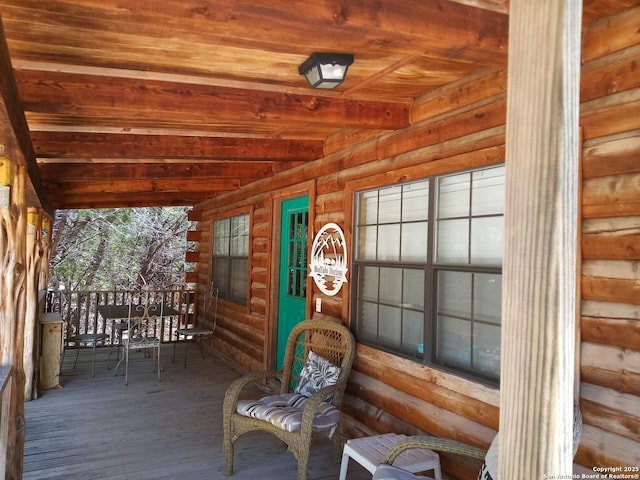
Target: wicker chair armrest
[233, 392]
[433, 443]
[311, 407]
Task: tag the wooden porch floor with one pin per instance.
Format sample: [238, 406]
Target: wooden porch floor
[99, 428]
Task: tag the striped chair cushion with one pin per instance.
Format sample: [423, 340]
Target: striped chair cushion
[285, 411]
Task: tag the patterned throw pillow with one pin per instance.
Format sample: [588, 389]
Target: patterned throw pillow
[317, 373]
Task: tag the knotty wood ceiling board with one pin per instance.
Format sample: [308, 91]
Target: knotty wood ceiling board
[168, 102]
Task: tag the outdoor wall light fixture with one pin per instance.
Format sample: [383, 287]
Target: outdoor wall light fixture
[326, 70]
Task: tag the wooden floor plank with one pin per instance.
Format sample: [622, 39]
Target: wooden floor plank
[99, 428]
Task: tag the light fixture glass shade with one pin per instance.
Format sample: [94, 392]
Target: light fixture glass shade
[326, 70]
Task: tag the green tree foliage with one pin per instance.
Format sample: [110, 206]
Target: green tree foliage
[119, 248]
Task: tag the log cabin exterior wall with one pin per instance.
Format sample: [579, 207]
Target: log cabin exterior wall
[610, 310]
[458, 127]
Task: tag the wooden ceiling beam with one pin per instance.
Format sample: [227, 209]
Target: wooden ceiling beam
[90, 145]
[439, 27]
[61, 171]
[145, 186]
[14, 132]
[131, 100]
[134, 200]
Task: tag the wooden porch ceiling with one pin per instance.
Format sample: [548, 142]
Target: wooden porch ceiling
[153, 103]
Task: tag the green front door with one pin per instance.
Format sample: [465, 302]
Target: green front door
[292, 298]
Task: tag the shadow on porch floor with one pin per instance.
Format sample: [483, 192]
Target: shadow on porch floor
[99, 428]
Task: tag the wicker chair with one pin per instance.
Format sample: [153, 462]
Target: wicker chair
[386, 470]
[319, 354]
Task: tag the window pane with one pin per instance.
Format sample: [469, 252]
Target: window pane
[391, 285]
[389, 207]
[367, 243]
[221, 237]
[453, 196]
[414, 242]
[220, 273]
[415, 201]
[486, 349]
[390, 326]
[452, 245]
[412, 331]
[389, 242]
[240, 235]
[368, 208]
[413, 289]
[488, 192]
[454, 293]
[454, 341]
[487, 297]
[487, 240]
[368, 283]
[238, 282]
[368, 320]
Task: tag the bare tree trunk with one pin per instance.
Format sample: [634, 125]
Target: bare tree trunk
[12, 315]
[34, 256]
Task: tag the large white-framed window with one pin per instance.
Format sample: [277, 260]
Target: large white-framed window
[230, 258]
[427, 270]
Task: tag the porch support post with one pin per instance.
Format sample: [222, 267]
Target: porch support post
[541, 244]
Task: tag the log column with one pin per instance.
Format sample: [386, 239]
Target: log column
[541, 245]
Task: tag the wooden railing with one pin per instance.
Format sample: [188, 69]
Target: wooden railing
[79, 309]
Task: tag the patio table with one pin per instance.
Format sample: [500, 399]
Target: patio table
[118, 314]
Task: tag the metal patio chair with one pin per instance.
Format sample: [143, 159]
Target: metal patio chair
[141, 329]
[198, 333]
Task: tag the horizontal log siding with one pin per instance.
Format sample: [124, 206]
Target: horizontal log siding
[610, 313]
[419, 399]
[457, 127]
